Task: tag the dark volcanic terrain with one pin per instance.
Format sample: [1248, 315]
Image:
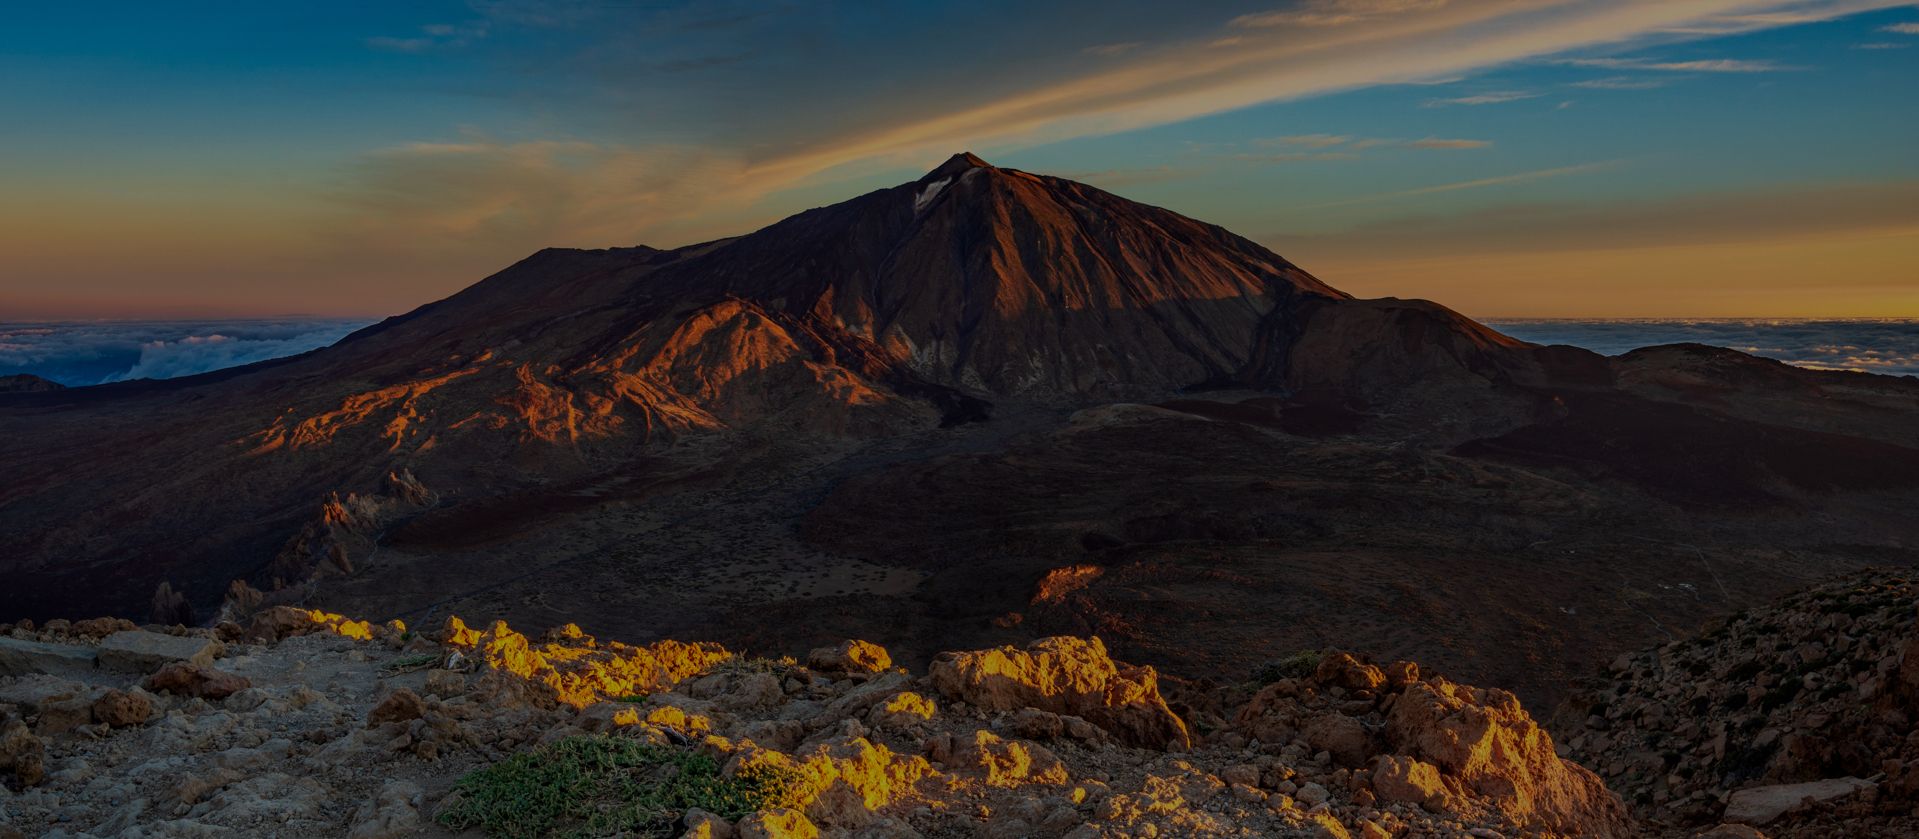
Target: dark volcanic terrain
[977, 408]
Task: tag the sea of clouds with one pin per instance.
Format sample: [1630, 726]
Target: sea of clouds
[76, 353]
[95, 352]
[1877, 345]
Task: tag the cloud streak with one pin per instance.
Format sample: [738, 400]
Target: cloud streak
[1619, 83]
[1497, 97]
[1713, 65]
[1478, 183]
[1321, 13]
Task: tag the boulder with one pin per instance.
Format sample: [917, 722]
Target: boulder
[1485, 741]
[189, 679]
[394, 813]
[902, 710]
[401, 705]
[701, 824]
[24, 658]
[64, 713]
[139, 651]
[1001, 762]
[1760, 806]
[1405, 780]
[850, 657]
[784, 823]
[97, 628]
[1065, 675]
[1345, 738]
[21, 753]
[1343, 670]
[119, 708]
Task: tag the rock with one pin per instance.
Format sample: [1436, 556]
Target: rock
[1405, 780]
[850, 657]
[902, 710]
[701, 824]
[1342, 670]
[94, 629]
[138, 651]
[196, 680]
[755, 690]
[1035, 724]
[1326, 826]
[1004, 763]
[120, 708]
[1492, 747]
[445, 684]
[1760, 806]
[1065, 675]
[24, 658]
[1342, 736]
[784, 823]
[64, 713]
[21, 753]
[1240, 773]
[1730, 831]
[395, 812]
[399, 706]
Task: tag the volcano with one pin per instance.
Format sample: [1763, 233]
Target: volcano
[985, 404]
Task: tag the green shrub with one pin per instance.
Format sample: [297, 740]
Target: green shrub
[1299, 665]
[603, 786]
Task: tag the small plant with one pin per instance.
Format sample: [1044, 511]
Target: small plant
[743, 664]
[1299, 665]
[607, 786]
[634, 699]
[417, 661]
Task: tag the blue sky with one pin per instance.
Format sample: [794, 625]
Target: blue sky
[1570, 157]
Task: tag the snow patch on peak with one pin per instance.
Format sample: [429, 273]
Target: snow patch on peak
[926, 195]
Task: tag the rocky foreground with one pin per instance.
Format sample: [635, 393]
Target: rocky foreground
[304, 723]
[1798, 716]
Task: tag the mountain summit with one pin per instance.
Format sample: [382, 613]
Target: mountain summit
[1067, 386]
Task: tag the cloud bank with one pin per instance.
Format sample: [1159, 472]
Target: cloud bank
[1889, 346]
[89, 353]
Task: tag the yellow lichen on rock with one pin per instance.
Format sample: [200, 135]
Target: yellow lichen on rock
[901, 710]
[1065, 675]
[845, 781]
[277, 622]
[576, 668]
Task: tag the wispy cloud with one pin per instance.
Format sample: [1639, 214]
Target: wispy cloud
[1901, 28]
[1317, 13]
[1712, 65]
[1619, 83]
[1113, 49]
[1296, 156]
[1348, 145]
[1496, 97]
[1880, 45]
[1441, 143]
[431, 37]
[1479, 183]
[1117, 178]
[1311, 141]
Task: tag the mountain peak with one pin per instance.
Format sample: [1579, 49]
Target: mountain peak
[957, 165]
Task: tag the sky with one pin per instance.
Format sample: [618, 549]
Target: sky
[1509, 158]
